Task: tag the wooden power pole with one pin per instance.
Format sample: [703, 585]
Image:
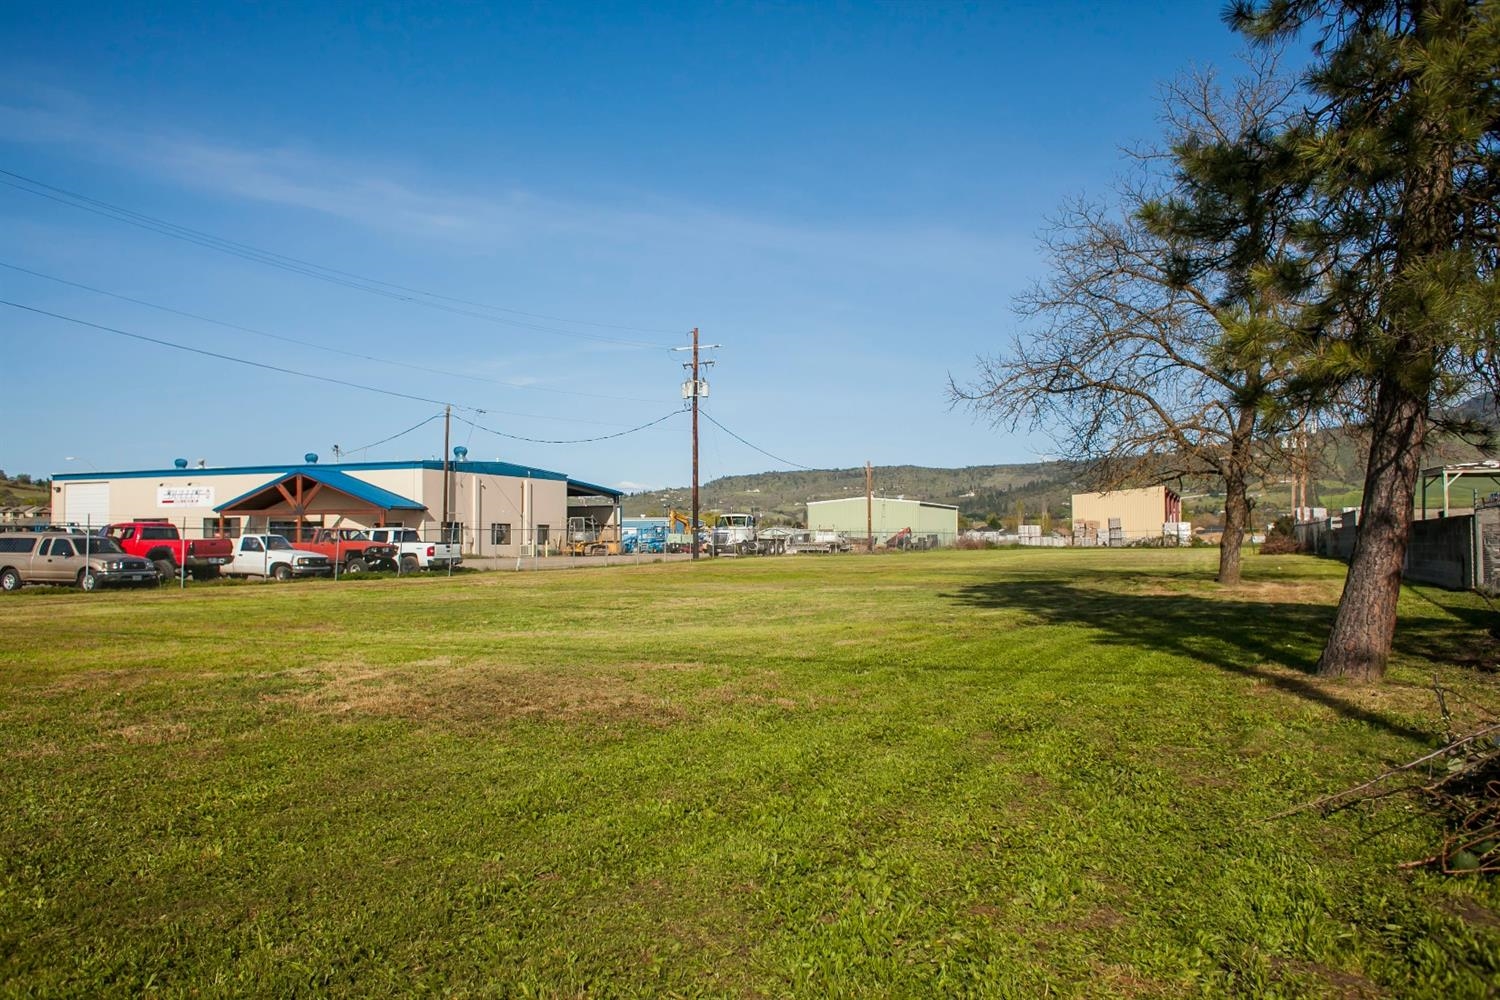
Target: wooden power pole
[693, 528]
[447, 427]
[693, 389]
[869, 507]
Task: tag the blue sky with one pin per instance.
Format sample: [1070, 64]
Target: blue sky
[846, 196]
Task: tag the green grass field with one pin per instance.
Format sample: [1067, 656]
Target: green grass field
[1010, 773]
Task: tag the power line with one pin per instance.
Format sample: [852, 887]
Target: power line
[364, 386]
[747, 444]
[321, 272]
[315, 346]
[413, 427]
[602, 437]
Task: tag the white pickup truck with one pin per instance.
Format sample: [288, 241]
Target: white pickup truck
[274, 557]
[415, 553]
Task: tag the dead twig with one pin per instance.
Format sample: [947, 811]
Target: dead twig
[1338, 799]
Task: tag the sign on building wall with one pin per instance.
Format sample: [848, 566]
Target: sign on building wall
[184, 496]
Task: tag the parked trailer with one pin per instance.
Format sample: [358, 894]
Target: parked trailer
[823, 542]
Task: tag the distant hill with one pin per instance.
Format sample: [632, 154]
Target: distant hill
[976, 490]
[1484, 408]
[982, 491]
[21, 492]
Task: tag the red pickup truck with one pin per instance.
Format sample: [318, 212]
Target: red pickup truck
[160, 542]
[351, 549]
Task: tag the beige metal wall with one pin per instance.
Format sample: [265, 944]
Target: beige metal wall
[480, 501]
[137, 496]
[1141, 511]
[522, 503]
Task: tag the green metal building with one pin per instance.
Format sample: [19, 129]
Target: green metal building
[889, 517]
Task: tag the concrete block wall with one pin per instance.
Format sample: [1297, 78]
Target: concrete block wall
[1459, 553]
[1441, 552]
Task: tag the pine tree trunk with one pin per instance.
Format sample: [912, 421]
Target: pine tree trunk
[1236, 517]
[1365, 624]
[1236, 497]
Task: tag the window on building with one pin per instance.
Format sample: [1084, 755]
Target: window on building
[499, 534]
[541, 535]
[211, 527]
[453, 532]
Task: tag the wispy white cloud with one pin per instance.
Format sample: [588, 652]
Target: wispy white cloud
[390, 197]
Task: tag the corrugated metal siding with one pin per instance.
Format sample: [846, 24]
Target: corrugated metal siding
[1140, 512]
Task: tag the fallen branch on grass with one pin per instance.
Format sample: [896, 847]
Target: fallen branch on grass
[1459, 784]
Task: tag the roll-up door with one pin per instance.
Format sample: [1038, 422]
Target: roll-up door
[87, 503]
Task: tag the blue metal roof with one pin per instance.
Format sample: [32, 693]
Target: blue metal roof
[356, 488]
[478, 468]
[485, 468]
[581, 488]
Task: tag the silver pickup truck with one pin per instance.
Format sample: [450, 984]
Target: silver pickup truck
[86, 561]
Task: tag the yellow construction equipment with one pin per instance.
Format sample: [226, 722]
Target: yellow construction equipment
[586, 538]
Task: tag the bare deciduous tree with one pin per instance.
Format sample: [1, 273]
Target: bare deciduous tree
[1154, 348]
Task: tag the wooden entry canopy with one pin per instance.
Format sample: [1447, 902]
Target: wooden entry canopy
[303, 491]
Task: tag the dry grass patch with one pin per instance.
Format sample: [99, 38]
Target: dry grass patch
[474, 693]
[153, 733]
[113, 681]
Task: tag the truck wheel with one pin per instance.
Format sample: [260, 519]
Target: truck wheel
[281, 572]
[166, 568]
[10, 580]
[87, 580]
[355, 565]
[409, 564]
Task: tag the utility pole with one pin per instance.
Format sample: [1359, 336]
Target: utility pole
[447, 426]
[694, 528]
[869, 507]
[692, 389]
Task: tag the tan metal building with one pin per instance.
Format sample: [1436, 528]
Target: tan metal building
[495, 508]
[1140, 512]
[889, 517]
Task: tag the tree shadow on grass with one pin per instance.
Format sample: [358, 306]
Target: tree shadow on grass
[1474, 644]
[1248, 638]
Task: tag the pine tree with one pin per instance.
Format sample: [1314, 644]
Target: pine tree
[1403, 154]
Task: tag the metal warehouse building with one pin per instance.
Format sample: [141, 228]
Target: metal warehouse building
[889, 517]
[495, 508]
[1141, 514]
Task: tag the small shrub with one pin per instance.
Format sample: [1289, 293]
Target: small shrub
[1281, 540]
[1280, 545]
